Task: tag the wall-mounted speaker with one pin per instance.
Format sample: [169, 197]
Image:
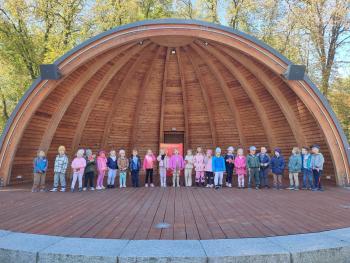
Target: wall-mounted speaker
[50, 71]
[295, 72]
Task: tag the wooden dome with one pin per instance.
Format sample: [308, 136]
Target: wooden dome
[135, 85]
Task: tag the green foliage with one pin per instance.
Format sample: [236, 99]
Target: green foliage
[312, 32]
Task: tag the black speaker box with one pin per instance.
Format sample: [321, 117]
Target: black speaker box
[295, 72]
[50, 71]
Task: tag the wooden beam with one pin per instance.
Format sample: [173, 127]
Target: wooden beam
[275, 92]
[123, 85]
[243, 81]
[69, 96]
[162, 102]
[184, 98]
[98, 91]
[140, 99]
[208, 106]
[231, 102]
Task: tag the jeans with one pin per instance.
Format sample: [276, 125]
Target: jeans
[135, 178]
[111, 176]
[218, 178]
[253, 173]
[149, 176]
[264, 176]
[308, 178]
[317, 178]
[89, 178]
[229, 173]
[122, 178]
[59, 178]
[162, 174]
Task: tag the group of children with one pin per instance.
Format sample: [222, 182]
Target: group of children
[209, 168]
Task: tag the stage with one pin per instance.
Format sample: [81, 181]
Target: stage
[192, 213]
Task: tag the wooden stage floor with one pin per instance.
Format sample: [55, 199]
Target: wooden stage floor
[193, 213]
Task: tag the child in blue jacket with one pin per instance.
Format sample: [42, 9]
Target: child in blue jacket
[218, 166]
[40, 164]
[277, 167]
[306, 168]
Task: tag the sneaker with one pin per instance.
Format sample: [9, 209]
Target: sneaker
[208, 185]
[152, 185]
[304, 188]
[98, 188]
[92, 189]
[290, 188]
[53, 189]
[120, 186]
[42, 190]
[296, 189]
[230, 185]
[80, 189]
[34, 190]
[84, 189]
[257, 188]
[72, 190]
[103, 188]
[146, 185]
[63, 189]
[124, 186]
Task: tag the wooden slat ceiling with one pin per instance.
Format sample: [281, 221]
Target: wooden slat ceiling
[129, 96]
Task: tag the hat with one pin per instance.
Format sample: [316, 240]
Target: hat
[230, 148]
[278, 150]
[252, 148]
[315, 146]
[218, 150]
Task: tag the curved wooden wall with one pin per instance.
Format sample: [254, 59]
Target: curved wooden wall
[125, 94]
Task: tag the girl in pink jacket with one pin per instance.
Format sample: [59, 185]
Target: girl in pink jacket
[208, 168]
[101, 169]
[199, 165]
[78, 166]
[148, 163]
[240, 167]
[176, 164]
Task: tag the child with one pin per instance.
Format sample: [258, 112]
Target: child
[188, 168]
[148, 163]
[277, 167]
[294, 167]
[198, 162]
[264, 159]
[135, 166]
[240, 167]
[90, 170]
[60, 168]
[229, 163]
[253, 165]
[317, 162]
[218, 166]
[40, 167]
[123, 164]
[112, 164]
[78, 166]
[306, 169]
[101, 169]
[208, 162]
[163, 165]
[176, 164]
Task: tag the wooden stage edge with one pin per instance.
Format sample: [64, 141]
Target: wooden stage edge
[191, 213]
